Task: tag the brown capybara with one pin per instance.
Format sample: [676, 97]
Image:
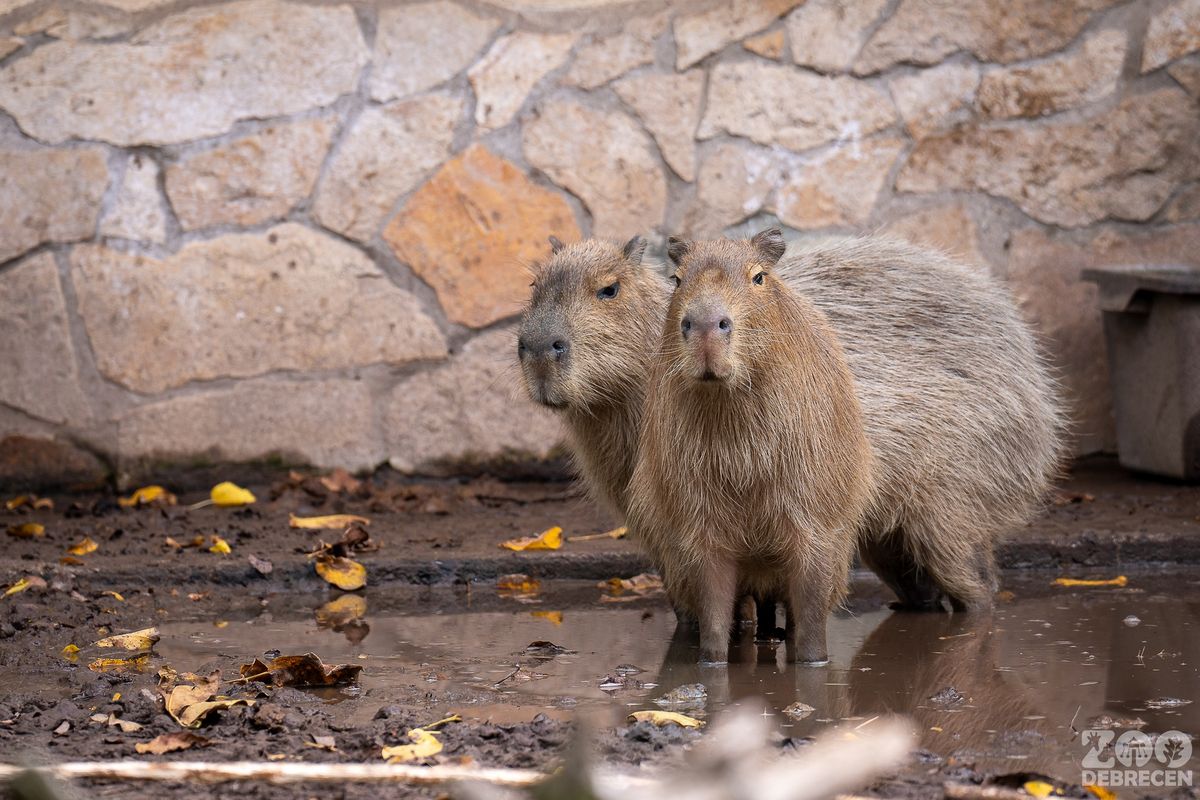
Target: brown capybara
[754, 470]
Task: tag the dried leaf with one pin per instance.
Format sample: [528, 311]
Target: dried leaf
[220, 546]
[137, 640]
[31, 500]
[170, 742]
[644, 585]
[615, 533]
[71, 651]
[83, 547]
[226, 494]
[332, 522]
[29, 530]
[1039, 788]
[518, 582]
[554, 616]
[147, 495]
[661, 718]
[1120, 580]
[1100, 792]
[113, 721]
[70, 561]
[341, 481]
[190, 704]
[305, 670]
[424, 744]
[323, 743]
[342, 572]
[23, 584]
[115, 595]
[548, 540]
[135, 664]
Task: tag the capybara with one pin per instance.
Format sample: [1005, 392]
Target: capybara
[754, 470]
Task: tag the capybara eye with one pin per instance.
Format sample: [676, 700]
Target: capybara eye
[609, 292]
[759, 278]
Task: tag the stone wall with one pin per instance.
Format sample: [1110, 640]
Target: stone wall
[236, 229]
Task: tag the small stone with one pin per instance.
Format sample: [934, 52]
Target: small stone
[798, 710]
[37, 361]
[1122, 163]
[1187, 72]
[605, 159]
[921, 32]
[1131, 621]
[252, 179]
[419, 46]
[669, 105]
[63, 728]
[839, 186]
[503, 78]
[472, 412]
[29, 463]
[774, 104]
[1082, 76]
[469, 231]
[325, 423]
[768, 45]
[935, 99]
[610, 57]
[734, 183]
[690, 695]
[386, 153]
[49, 196]
[700, 35]
[1043, 272]
[827, 34]
[948, 228]
[137, 212]
[1174, 31]
[161, 86]
[245, 304]
[1185, 205]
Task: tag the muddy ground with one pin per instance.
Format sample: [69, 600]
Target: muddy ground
[434, 561]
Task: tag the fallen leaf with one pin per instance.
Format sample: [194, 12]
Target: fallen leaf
[518, 582]
[135, 664]
[71, 651]
[71, 561]
[63, 728]
[31, 500]
[114, 595]
[113, 721]
[615, 533]
[323, 743]
[261, 565]
[147, 495]
[1039, 788]
[333, 521]
[170, 742]
[83, 547]
[190, 704]
[341, 572]
[219, 546]
[424, 744]
[137, 640]
[554, 616]
[305, 670]
[642, 585]
[341, 481]
[548, 540]
[1100, 792]
[228, 494]
[1120, 580]
[24, 584]
[29, 530]
[661, 718]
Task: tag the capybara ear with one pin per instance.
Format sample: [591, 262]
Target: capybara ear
[677, 249]
[769, 244]
[634, 249]
[556, 244]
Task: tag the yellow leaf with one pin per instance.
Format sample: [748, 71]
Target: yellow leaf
[554, 616]
[230, 494]
[1120, 580]
[30, 530]
[1039, 788]
[147, 495]
[333, 521]
[518, 582]
[116, 696]
[661, 718]
[70, 651]
[1100, 792]
[424, 744]
[115, 595]
[615, 533]
[137, 663]
[20, 586]
[137, 640]
[342, 572]
[83, 547]
[220, 546]
[548, 540]
[31, 500]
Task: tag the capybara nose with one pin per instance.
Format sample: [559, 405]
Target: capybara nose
[705, 322]
[549, 347]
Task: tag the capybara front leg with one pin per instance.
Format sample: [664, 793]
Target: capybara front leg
[717, 593]
[807, 608]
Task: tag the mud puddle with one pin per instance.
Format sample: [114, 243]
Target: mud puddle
[1003, 692]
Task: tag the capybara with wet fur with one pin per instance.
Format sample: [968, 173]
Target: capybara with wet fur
[753, 470]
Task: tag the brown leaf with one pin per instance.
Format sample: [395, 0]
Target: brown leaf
[305, 670]
[29, 530]
[170, 742]
[341, 481]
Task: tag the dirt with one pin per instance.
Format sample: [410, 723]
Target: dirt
[438, 637]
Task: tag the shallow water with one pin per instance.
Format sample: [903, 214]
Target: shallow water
[1007, 691]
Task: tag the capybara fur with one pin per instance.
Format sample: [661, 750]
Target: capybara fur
[754, 469]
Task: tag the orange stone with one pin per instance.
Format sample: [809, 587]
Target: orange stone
[470, 231]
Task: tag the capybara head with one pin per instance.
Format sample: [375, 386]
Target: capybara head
[587, 334]
[725, 305]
